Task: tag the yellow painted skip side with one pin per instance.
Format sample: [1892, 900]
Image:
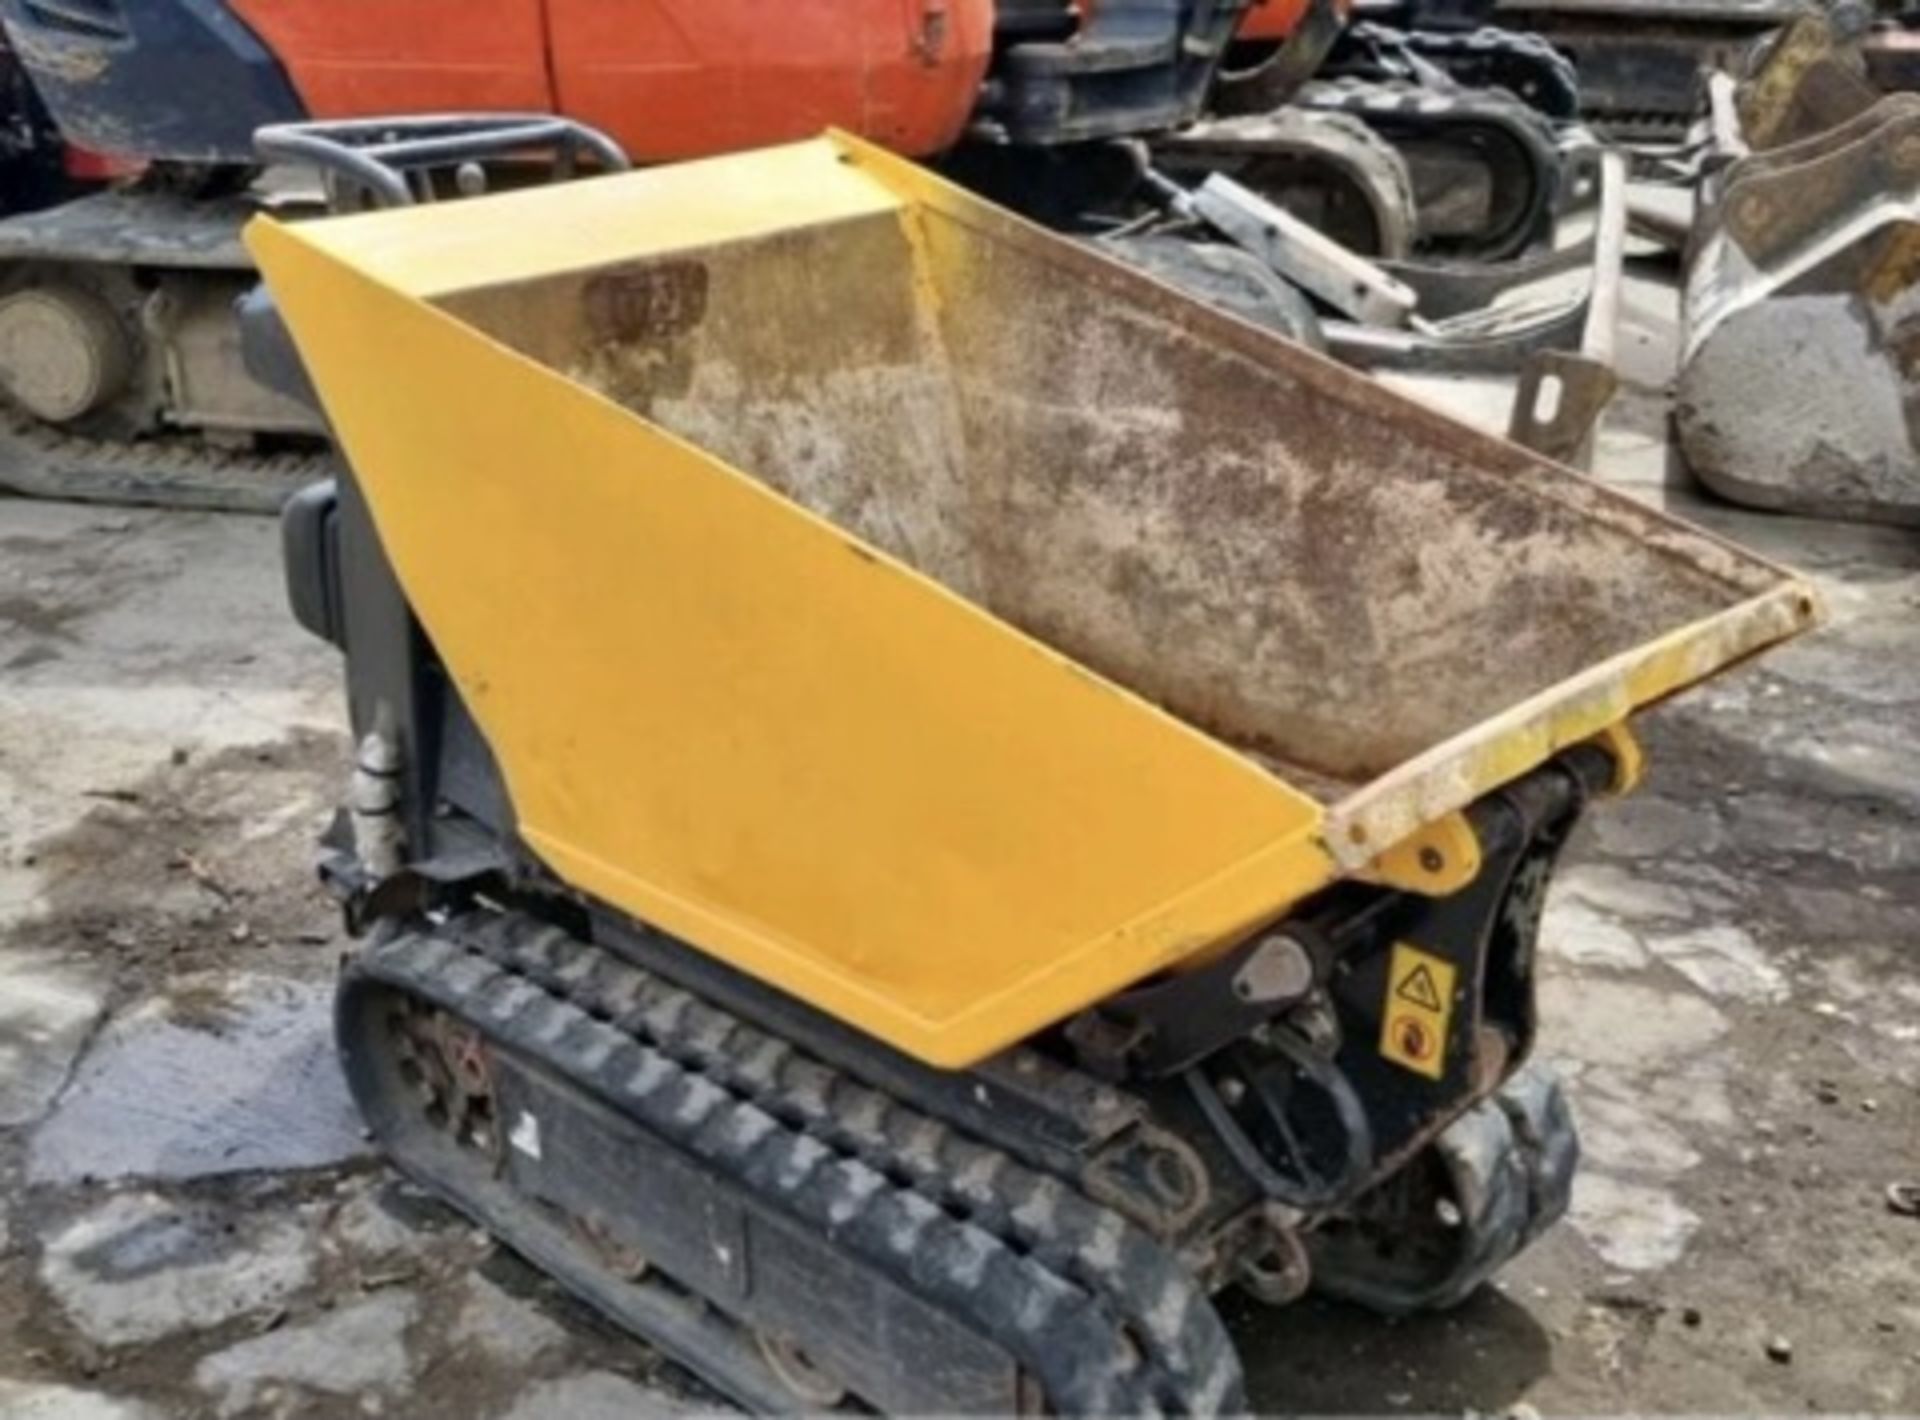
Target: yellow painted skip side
[729, 718]
[1593, 705]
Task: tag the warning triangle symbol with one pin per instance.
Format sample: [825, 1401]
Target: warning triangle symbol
[1417, 986]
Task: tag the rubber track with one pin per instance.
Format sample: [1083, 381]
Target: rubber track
[1522, 1145]
[1099, 1313]
[175, 471]
[1535, 1104]
[1381, 158]
[1488, 41]
[1339, 141]
[1416, 105]
[1398, 98]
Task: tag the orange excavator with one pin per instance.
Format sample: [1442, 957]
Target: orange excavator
[666, 79]
[118, 351]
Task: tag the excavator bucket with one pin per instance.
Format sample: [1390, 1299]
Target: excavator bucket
[932, 618]
[1799, 385]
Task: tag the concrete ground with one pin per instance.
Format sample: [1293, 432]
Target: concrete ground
[191, 1223]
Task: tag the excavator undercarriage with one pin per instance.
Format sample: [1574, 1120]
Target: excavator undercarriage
[120, 355]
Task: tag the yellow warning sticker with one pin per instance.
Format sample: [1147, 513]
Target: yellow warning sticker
[1413, 1027]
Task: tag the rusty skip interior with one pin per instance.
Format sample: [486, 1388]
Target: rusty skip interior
[1320, 573]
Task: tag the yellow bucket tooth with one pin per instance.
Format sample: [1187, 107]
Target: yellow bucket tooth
[934, 619]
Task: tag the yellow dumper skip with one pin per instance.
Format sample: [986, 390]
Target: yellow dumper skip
[935, 619]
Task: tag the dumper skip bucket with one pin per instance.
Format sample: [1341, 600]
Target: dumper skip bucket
[930, 617]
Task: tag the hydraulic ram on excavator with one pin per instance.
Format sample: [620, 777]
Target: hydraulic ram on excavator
[926, 801]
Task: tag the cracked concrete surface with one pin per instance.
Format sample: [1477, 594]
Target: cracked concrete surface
[141, 1266]
[46, 1012]
[243, 1084]
[595, 1395]
[26, 1400]
[189, 1223]
[189, 1226]
[357, 1351]
[503, 1325]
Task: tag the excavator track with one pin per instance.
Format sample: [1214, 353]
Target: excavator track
[1484, 146]
[1524, 65]
[1329, 169]
[796, 1237]
[144, 278]
[182, 471]
[1640, 61]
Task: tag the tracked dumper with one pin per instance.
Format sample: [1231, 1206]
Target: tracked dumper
[925, 803]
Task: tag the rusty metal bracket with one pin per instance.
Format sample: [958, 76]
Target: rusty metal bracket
[1562, 394]
[1808, 81]
[1778, 202]
[1557, 406]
